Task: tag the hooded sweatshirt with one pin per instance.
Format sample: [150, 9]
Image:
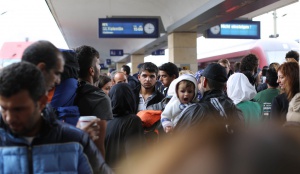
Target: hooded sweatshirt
[240, 90]
[169, 117]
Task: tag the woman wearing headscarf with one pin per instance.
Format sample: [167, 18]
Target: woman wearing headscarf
[241, 91]
[125, 131]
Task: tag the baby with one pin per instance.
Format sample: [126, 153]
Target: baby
[186, 93]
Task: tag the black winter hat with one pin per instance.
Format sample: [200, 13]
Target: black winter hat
[215, 71]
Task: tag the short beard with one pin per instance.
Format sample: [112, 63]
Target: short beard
[31, 127]
[148, 87]
[97, 74]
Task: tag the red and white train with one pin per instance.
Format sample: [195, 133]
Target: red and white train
[268, 51]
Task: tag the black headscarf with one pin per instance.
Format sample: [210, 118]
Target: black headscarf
[122, 99]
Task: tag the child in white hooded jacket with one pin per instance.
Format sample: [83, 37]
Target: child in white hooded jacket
[185, 94]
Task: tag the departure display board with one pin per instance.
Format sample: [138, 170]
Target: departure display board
[128, 28]
[237, 29]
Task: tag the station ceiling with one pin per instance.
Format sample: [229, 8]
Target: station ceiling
[78, 20]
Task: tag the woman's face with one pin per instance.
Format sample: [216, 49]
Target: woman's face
[107, 87]
[281, 80]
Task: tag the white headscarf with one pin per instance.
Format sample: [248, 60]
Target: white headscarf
[239, 88]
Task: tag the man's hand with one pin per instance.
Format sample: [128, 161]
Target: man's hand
[92, 128]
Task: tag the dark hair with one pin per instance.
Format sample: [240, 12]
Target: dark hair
[249, 63]
[213, 84]
[126, 68]
[236, 67]
[264, 70]
[71, 67]
[103, 80]
[274, 65]
[140, 65]
[271, 77]
[292, 54]
[170, 68]
[149, 66]
[86, 56]
[42, 51]
[290, 70]
[250, 77]
[22, 76]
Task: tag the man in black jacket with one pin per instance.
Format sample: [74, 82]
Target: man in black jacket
[90, 99]
[146, 94]
[214, 105]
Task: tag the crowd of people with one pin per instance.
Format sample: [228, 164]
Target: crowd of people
[222, 119]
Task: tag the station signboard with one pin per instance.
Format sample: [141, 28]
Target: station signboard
[236, 29]
[116, 52]
[108, 61]
[159, 52]
[128, 28]
[102, 65]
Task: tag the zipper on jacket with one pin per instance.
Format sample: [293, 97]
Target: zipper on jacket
[29, 156]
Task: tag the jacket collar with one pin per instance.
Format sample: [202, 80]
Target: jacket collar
[212, 93]
[45, 129]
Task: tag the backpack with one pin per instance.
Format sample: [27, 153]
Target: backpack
[68, 111]
[64, 94]
[151, 125]
[68, 114]
[63, 101]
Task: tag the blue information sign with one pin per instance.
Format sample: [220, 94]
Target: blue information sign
[102, 65]
[116, 53]
[128, 28]
[237, 29]
[158, 52]
[108, 61]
